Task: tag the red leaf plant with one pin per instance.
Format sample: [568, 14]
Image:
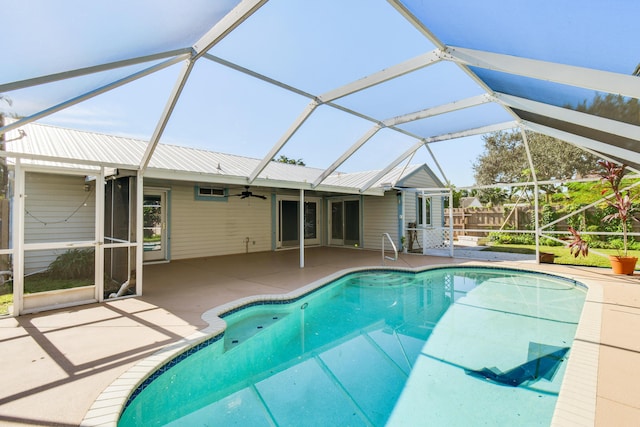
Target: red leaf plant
[611, 175]
[578, 246]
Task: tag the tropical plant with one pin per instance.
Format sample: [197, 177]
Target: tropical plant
[622, 201]
[620, 206]
[578, 246]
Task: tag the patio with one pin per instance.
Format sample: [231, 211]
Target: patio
[376, 86]
[57, 363]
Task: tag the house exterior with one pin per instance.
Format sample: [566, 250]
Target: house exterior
[188, 203]
[470, 202]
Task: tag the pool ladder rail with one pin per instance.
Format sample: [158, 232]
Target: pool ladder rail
[386, 236]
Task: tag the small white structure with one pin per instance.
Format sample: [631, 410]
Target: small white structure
[470, 202]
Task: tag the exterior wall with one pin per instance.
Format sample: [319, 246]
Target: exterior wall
[410, 212]
[214, 228]
[200, 228]
[58, 209]
[420, 180]
[434, 235]
[411, 209]
[380, 216]
[437, 211]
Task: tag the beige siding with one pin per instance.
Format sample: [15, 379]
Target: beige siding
[211, 228]
[432, 236]
[409, 210]
[437, 205]
[58, 209]
[380, 216]
[421, 180]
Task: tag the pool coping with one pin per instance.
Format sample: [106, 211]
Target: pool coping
[576, 405]
[576, 402]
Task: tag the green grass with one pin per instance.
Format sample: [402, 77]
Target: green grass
[563, 256]
[43, 283]
[6, 297]
[37, 283]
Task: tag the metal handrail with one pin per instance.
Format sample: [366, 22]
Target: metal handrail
[393, 245]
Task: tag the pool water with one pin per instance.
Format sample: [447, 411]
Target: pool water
[450, 346]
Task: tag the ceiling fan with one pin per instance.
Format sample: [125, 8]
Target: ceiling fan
[246, 193]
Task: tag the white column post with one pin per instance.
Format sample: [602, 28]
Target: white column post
[18, 238]
[99, 236]
[139, 235]
[301, 232]
[535, 190]
[423, 202]
[451, 222]
[403, 221]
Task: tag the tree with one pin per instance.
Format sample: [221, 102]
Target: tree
[493, 196]
[615, 107]
[285, 159]
[505, 159]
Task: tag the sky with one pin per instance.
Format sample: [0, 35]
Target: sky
[312, 45]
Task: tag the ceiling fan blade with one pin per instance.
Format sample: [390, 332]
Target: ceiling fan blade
[247, 193]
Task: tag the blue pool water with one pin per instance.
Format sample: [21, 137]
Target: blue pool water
[449, 346]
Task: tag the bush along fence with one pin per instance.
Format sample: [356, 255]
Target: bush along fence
[515, 225]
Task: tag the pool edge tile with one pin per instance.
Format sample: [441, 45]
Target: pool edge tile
[576, 403]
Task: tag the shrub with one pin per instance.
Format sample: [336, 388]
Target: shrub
[73, 264]
[512, 238]
[548, 242]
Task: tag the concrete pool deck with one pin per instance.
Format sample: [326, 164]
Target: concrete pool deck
[55, 364]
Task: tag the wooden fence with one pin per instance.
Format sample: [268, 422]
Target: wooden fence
[496, 218]
[490, 219]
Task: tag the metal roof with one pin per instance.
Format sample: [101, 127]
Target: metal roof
[347, 83]
[39, 144]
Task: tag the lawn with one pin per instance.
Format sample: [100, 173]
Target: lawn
[37, 283]
[562, 254]
[42, 283]
[6, 297]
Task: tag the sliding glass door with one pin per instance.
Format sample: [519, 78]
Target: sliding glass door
[289, 224]
[344, 222]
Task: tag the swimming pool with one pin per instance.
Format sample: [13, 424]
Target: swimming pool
[447, 346]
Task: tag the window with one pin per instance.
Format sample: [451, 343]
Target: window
[211, 193]
[428, 210]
